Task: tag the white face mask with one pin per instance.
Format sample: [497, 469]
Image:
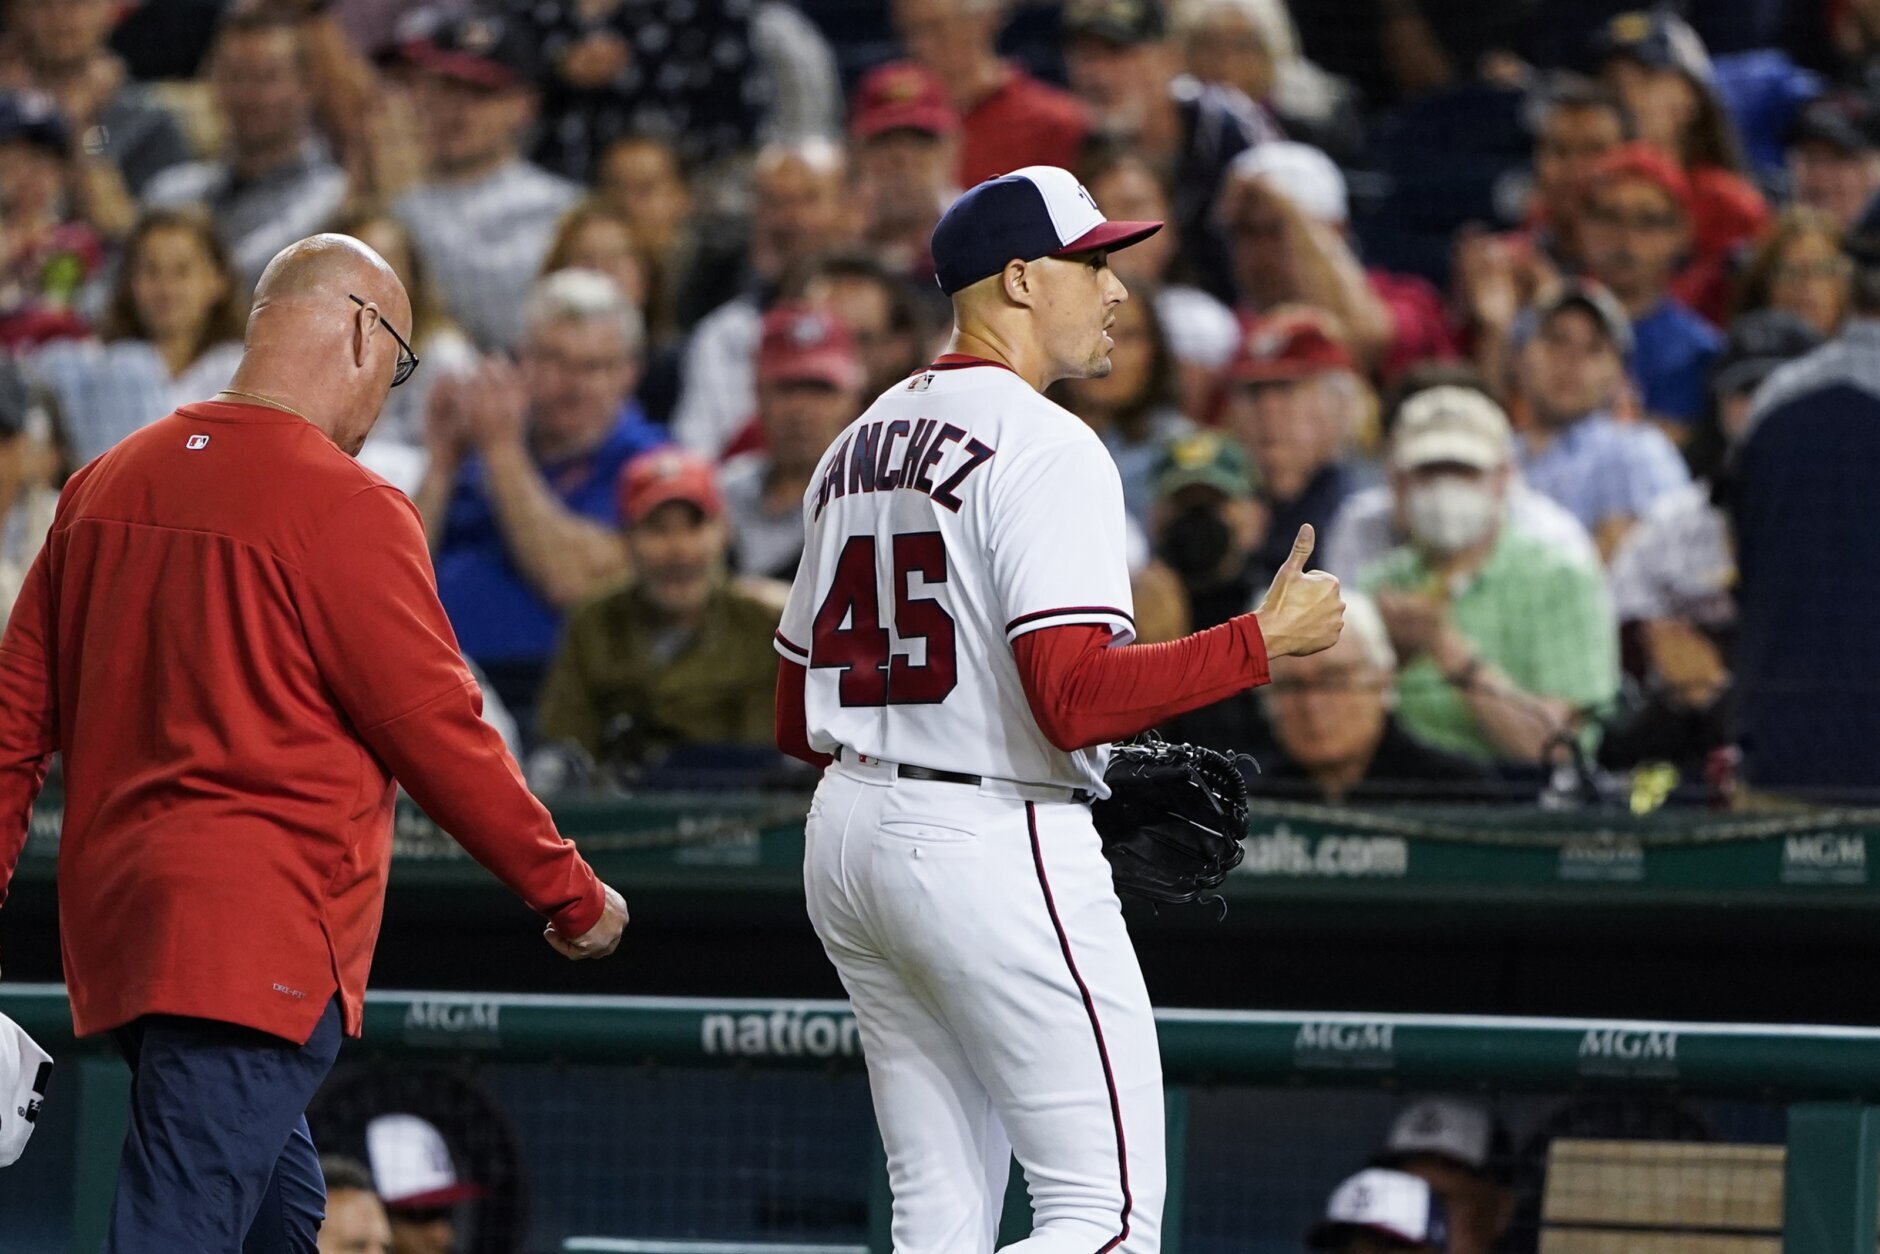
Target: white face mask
[1450, 514]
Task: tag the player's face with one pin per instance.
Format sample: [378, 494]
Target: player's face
[1077, 305]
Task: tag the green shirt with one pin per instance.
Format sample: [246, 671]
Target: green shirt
[718, 688]
[1541, 615]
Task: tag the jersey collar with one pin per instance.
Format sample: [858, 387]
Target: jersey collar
[965, 361]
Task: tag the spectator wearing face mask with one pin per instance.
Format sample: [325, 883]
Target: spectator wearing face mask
[1506, 647]
[1571, 368]
[1369, 525]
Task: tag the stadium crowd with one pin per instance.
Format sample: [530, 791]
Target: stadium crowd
[1556, 320]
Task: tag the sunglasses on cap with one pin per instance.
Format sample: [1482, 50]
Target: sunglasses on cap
[407, 360]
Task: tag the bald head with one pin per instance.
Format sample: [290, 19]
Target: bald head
[319, 336]
[322, 267]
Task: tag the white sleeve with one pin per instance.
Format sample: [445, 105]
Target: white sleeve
[1058, 541]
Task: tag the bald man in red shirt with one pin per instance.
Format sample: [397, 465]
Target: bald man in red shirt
[233, 638]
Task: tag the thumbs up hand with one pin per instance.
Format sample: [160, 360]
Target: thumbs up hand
[1302, 612]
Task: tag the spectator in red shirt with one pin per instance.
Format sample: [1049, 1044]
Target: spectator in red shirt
[1008, 119]
[232, 638]
[1659, 68]
[904, 144]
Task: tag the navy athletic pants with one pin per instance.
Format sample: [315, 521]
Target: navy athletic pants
[218, 1159]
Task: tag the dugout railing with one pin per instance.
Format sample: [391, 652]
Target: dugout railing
[1824, 1079]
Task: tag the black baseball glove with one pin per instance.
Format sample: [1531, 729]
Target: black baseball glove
[1173, 821]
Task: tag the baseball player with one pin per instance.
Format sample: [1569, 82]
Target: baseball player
[948, 652]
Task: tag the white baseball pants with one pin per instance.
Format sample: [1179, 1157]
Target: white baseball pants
[1001, 1010]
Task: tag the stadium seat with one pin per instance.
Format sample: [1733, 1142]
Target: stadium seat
[1660, 1197]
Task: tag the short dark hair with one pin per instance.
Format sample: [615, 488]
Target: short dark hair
[902, 316]
[342, 1173]
[1569, 91]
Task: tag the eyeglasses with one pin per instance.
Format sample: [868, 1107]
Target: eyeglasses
[407, 360]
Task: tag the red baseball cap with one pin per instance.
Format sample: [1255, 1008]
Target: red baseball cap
[666, 474]
[1641, 161]
[901, 96]
[1287, 346]
[804, 344]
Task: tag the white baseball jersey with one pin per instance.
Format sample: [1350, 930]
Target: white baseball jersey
[961, 511]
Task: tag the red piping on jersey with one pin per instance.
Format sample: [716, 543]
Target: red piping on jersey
[1110, 610]
[1096, 1029]
[790, 644]
[965, 361]
[1082, 692]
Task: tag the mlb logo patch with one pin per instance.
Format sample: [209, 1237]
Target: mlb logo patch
[920, 382]
[196, 442]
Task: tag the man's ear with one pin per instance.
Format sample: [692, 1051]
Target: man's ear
[1020, 284]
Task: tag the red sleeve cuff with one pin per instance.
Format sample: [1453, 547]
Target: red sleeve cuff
[580, 916]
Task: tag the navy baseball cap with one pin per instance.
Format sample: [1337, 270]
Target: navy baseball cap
[1039, 211]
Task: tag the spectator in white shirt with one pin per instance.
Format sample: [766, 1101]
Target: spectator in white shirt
[799, 211]
[278, 182]
[484, 217]
[171, 334]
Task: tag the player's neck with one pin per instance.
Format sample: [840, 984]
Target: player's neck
[990, 346]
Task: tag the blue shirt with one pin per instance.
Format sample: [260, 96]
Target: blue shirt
[1600, 469]
[1671, 355]
[496, 612]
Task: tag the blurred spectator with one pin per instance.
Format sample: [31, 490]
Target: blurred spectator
[483, 217]
[799, 211]
[1125, 68]
[30, 477]
[809, 387]
[1505, 644]
[1207, 522]
[1810, 555]
[714, 75]
[1253, 47]
[1659, 67]
[418, 1181]
[355, 1217]
[172, 333]
[1294, 403]
[1571, 371]
[1637, 226]
[1576, 122]
[904, 151]
[679, 655]
[1382, 1212]
[1008, 119]
[640, 176]
[1338, 740]
[1464, 1154]
[1202, 332]
[879, 311]
[1284, 210]
[593, 235]
[1133, 407]
[1799, 268]
[1369, 525]
[518, 499]
[278, 182]
[396, 448]
[58, 47]
[48, 257]
[1674, 579]
[1834, 156]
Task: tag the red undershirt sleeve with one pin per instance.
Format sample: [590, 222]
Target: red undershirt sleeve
[792, 719]
[1084, 693]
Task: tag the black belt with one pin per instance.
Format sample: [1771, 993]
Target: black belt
[960, 777]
